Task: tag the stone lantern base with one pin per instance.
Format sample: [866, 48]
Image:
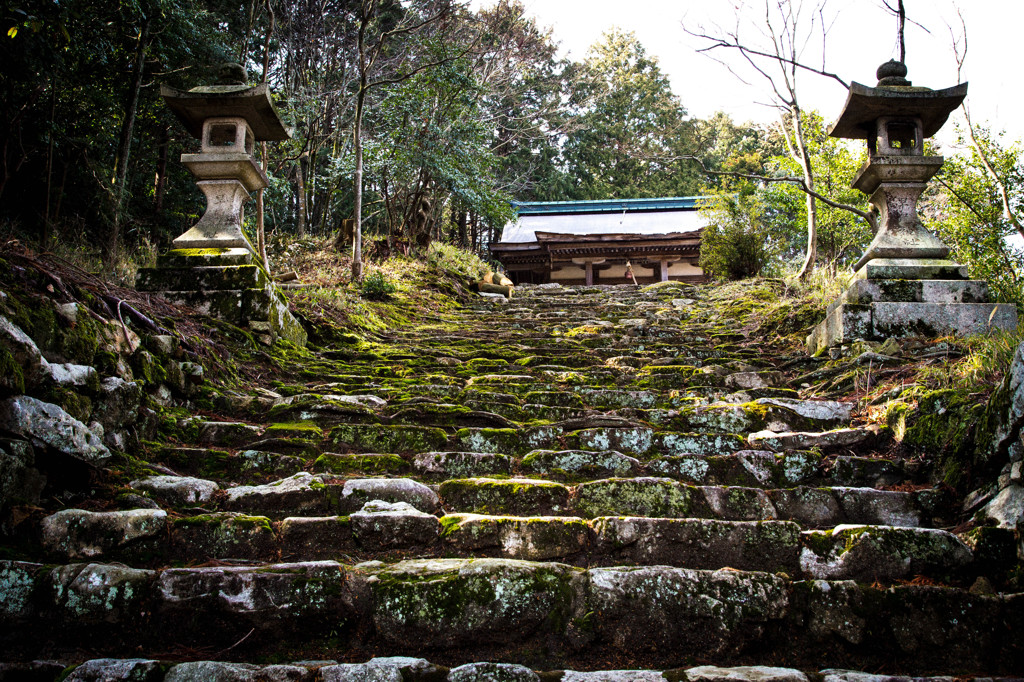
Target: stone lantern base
[899, 298]
[225, 283]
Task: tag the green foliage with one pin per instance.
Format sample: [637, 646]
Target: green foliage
[631, 129]
[377, 287]
[842, 235]
[966, 210]
[736, 242]
[454, 259]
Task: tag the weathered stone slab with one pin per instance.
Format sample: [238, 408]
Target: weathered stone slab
[643, 496]
[19, 583]
[96, 593]
[492, 672]
[878, 507]
[911, 268]
[865, 291]
[651, 607]
[177, 491]
[226, 535]
[226, 433]
[465, 602]
[809, 440]
[313, 538]
[240, 598]
[614, 676]
[750, 673]
[536, 538]
[580, 463]
[383, 669]
[869, 553]
[47, 425]
[301, 494]
[113, 669]
[735, 503]
[81, 534]
[700, 543]
[393, 525]
[358, 491]
[461, 464]
[810, 507]
[214, 671]
[515, 496]
[898, 320]
[389, 438]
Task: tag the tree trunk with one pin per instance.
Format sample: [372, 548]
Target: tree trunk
[300, 181]
[261, 236]
[125, 143]
[799, 151]
[161, 170]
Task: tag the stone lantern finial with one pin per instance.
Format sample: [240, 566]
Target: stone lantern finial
[892, 73]
[232, 73]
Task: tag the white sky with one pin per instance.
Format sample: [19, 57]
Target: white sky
[862, 37]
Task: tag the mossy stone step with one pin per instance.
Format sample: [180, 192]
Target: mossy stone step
[652, 613]
[419, 669]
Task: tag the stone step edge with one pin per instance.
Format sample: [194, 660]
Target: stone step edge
[865, 552]
[154, 670]
[437, 604]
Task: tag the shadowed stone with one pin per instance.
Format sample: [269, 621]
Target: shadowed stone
[383, 669]
[47, 425]
[492, 672]
[535, 538]
[869, 553]
[213, 671]
[177, 491]
[81, 534]
[295, 495]
[462, 602]
[755, 673]
[700, 543]
[358, 491]
[387, 525]
[649, 607]
[93, 593]
[313, 538]
[112, 669]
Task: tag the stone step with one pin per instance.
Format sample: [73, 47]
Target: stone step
[746, 485]
[864, 553]
[649, 614]
[393, 669]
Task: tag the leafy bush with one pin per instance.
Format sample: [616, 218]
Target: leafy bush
[452, 258]
[736, 243]
[377, 287]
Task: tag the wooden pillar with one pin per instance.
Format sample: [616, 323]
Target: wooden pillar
[663, 271]
[588, 267]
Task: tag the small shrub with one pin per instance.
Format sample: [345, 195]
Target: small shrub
[452, 258]
[377, 287]
[736, 243]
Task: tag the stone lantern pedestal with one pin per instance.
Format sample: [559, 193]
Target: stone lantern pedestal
[904, 285]
[212, 266]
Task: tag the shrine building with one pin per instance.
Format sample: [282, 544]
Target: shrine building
[591, 242]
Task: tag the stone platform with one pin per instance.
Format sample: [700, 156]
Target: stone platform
[225, 283]
[897, 298]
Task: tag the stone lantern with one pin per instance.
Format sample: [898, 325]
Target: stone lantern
[903, 285]
[212, 265]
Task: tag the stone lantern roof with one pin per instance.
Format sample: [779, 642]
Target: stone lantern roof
[194, 106]
[895, 96]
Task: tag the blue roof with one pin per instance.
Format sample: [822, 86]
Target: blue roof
[606, 205]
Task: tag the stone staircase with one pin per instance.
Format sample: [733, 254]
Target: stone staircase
[608, 479]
